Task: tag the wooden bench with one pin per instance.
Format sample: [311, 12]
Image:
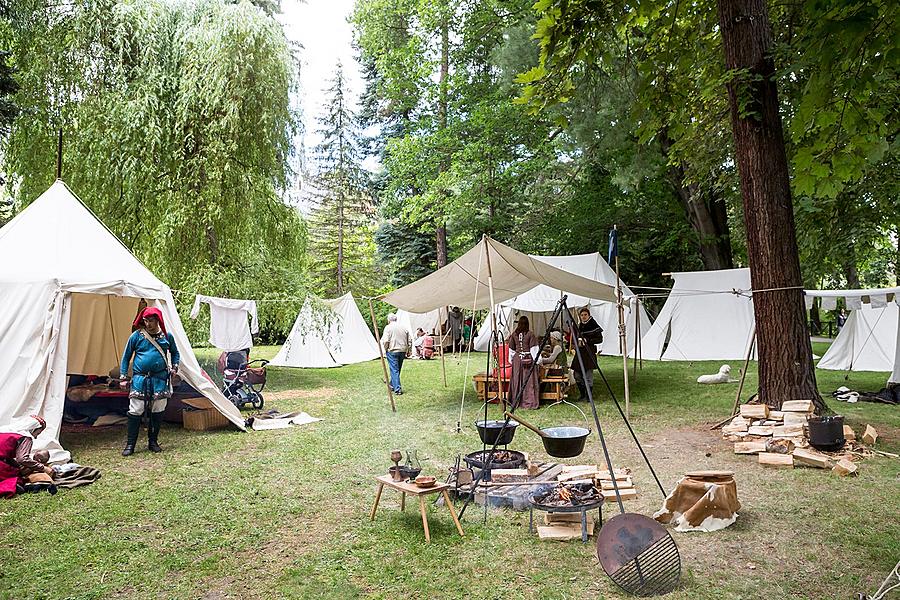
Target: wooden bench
[553, 388]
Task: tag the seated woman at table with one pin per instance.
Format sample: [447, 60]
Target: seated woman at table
[523, 351]
[553, 356]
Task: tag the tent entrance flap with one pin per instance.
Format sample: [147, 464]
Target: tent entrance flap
[99, 327]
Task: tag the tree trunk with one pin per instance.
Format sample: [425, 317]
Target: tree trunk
[785, 353]
[340, 248]
[441, 233]
[706, 212]
[849, 267]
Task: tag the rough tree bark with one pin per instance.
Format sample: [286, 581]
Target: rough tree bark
[706, 213]
[785, 352]
[441, 233]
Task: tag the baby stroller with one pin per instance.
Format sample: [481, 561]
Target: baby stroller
[242, 381]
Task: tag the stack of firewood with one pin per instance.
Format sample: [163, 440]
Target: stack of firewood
[602, 479]
[779, 438]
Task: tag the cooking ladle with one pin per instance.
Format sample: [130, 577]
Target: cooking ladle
[519, 419]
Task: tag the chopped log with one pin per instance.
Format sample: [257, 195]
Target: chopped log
[812, 458]
[608, 484]
[533, 470]
[787, 431]
[760, 430]
[770, 459]
[560, 532]
[800, 406]
[776, 415]
[754, 411]
[627, 494]
[870, 435]
[849, 433]
[737, 425]
[844, 467]
[560, 518]
[780, 446]
[792, 418]
[771, 423]
[621, 475]
[749, 447]
[506, 475]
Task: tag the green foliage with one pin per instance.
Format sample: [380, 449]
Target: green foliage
[177, 133]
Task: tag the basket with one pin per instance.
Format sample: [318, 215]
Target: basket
[256, 375]
[204, 420]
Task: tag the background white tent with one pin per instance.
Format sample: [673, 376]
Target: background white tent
[702, 319]
[69, 291]
[868, 340]
[430, 322]
[539, 303]
[347, 340]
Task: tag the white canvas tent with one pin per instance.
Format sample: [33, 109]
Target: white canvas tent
[69, 291]
[868, 340]
[539, 303]
[430, 322]
[703, 319]
[464, 282]
[347, 340]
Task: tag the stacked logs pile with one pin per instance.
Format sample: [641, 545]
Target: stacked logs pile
[780, 438]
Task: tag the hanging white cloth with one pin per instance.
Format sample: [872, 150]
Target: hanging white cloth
[228, 327]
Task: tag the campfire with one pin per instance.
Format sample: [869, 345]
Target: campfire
[569, 494]
[502, 459]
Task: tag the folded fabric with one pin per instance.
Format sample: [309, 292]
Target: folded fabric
[282, 421]
[77, 477]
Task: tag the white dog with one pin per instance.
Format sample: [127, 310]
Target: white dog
[723, 376]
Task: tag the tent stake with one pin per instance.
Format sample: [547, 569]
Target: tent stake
[387, 380]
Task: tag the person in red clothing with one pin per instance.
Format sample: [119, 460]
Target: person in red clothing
[16, 459]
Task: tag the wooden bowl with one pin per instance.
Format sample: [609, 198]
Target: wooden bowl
[425, 481]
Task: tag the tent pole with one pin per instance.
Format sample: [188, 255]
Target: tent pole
[494, 331]
[622, 340]
[637, 332]
[737, 398]
[387, 380]
[441, 331]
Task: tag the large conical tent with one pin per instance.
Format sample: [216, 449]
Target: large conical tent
[69, 291]
[703, 318]
[539, 303]
[347, 341]
[868, 340]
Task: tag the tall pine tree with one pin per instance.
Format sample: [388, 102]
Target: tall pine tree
[342, 219]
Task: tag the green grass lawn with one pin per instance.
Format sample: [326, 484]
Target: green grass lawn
[285, 513]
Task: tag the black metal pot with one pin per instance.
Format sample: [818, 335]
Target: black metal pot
[564, 442]
[489, 431]
[826, 433]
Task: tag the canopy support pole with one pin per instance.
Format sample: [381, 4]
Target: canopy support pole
[441, 332]
[387, 380]
[622, 340]
[494, 331]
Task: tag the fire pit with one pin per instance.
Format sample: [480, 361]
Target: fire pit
[502, 459]
[567, 498]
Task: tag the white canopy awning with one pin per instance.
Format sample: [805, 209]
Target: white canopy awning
[464, 282]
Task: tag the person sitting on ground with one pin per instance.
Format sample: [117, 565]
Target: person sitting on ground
[396, 343]
[16, 459]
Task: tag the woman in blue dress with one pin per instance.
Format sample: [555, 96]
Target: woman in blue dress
[155, 360]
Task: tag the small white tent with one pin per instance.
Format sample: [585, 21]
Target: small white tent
[539, 303]
[69, 291]
[703, 319]
[868, 340]
[347, 341]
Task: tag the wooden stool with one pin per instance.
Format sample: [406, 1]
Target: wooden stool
[410, 488]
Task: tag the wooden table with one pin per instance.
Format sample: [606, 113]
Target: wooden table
[557, 386]
[489, 394]
[410, 488]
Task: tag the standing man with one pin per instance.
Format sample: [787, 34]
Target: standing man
[155, 362]
[396, 342]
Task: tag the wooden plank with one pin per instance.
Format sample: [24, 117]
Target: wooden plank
[801, 406]
[811, 458]
[760, 430]
[749, 447]
[754, 411]
[508, 475]
[570, 517]
[608, 484]
[770, 459]
[562, 532]
[844, 467]
[870, 435]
